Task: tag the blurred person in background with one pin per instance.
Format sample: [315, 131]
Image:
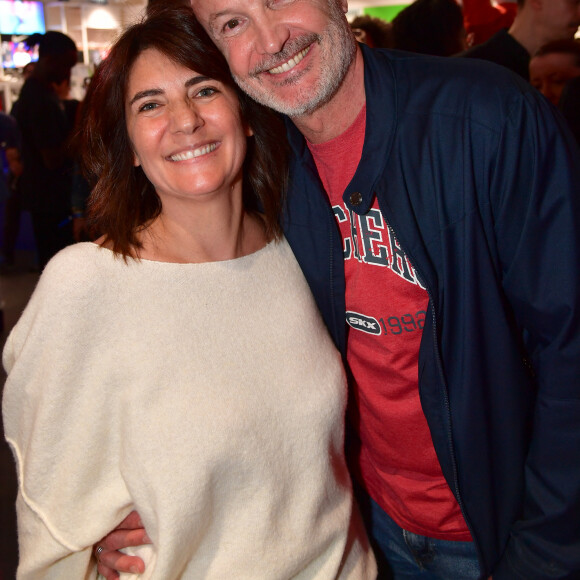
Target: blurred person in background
[553, 65]
[374, 32]
[13, 206]
[536, 23]
[430, 27]
[10, 143]
[555, 72]
[46, 178]
[570, 105]
[483, 18]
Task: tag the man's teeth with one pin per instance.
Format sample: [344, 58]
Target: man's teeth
[195, 153]
[289, 65]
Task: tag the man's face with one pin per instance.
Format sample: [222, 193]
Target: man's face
[290, 55]
[559, 18]
[549, 73]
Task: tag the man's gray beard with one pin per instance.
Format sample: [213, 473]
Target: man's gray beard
[323, 92]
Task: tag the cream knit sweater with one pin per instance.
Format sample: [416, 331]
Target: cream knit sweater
[209, 397]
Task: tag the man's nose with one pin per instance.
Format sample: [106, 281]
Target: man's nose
[271, 34]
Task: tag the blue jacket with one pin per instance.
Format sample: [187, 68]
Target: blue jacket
[473, 172]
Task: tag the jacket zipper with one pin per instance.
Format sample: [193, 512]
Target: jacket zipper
[444, 388]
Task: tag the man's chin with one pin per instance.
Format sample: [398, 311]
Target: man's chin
[272, 98]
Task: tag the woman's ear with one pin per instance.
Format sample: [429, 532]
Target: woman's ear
[248, 130]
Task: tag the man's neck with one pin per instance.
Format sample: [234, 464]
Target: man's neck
[336, 116]
[525, 30]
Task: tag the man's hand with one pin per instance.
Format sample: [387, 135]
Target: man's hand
[130, 532]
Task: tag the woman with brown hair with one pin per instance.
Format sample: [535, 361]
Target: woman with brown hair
[178, 366]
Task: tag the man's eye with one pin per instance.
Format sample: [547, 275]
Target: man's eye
[232, 24]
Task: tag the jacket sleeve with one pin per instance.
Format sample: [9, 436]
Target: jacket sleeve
[537, 179]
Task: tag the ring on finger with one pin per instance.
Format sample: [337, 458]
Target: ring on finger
[98, 551]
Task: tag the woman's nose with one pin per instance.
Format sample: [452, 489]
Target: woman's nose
[185, 118]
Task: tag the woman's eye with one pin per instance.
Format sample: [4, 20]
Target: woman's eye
[147, 107]
[207, 92]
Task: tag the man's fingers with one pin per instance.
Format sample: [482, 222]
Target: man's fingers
[110, 563]
[131, 522]
[123, 539]
[129, 532]
[107, 572]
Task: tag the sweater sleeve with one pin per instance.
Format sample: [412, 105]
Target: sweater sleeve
[42, 556]
[55, 406]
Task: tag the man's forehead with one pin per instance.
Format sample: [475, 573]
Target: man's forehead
[199, 5]
[203, 9]
[206, 8]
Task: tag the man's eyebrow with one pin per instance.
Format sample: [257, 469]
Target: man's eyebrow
[155, 92]
[215, 16]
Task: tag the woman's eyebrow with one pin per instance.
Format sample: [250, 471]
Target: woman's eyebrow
[154, 92]
[196, 80]
[145, 93]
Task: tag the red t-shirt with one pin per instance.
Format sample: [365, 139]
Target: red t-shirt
[397, 462]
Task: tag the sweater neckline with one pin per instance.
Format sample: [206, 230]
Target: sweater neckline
[253, 255]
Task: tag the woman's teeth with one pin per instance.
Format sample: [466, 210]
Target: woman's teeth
[194, 153]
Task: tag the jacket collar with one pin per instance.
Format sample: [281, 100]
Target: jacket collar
[381, 124]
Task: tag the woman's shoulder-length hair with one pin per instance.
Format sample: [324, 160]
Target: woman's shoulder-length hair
[122, 199]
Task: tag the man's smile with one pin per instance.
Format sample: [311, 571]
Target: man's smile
[289, 64]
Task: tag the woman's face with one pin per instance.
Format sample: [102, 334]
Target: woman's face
[186, 130]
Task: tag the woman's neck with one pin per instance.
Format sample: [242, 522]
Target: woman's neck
[205, 233]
